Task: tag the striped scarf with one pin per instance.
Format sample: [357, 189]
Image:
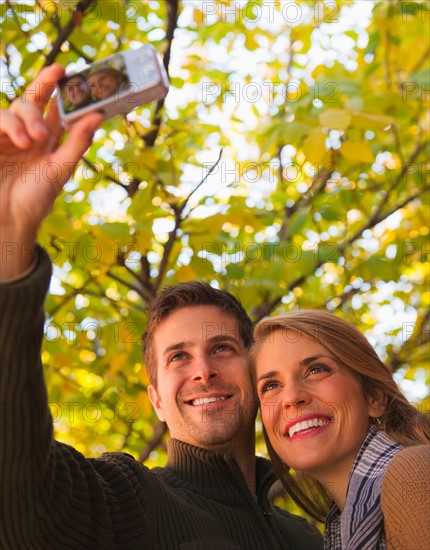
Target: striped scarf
[361, 524]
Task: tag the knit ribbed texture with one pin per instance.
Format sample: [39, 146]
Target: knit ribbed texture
[405, 500]
[53, 498]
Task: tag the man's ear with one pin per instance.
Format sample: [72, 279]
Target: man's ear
[377, 403]
[156, 402]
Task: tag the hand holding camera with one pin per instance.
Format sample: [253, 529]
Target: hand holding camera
[113, 86]
[35, 165]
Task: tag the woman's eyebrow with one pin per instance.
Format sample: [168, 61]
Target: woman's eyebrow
[303, 363]
[269, 374]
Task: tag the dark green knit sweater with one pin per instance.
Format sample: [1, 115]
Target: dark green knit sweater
[53, 498]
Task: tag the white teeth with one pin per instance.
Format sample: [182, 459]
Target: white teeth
[306, 424]
[206, 400]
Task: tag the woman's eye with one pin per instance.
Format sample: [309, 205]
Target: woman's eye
[267, 386]
[319, 368]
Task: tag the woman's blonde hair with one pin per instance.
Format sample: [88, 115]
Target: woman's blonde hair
[401, 421]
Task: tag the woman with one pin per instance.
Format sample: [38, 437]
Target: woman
[333, 413]
[107, 82]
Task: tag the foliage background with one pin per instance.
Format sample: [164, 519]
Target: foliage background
[288, 164]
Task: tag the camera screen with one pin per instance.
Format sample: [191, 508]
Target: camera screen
[98, 82]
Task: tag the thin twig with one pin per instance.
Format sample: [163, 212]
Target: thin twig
[65, 32]
[159, 430]
[202, 182]
[172, 23]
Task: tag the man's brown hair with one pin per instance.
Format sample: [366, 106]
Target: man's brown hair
[193, 293]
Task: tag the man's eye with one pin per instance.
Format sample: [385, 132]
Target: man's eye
[177, 356]
[223, 347]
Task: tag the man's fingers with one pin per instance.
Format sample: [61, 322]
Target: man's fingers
[54, 124]
[31, 117]
[13, 127]
[79, 139]
[40, 89]
[24, 121]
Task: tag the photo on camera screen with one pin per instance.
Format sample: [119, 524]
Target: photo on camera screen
[98, 82]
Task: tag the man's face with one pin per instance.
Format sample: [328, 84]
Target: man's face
[204, 391]
[75, 90]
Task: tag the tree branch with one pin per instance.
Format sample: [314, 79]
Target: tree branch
[317, 186]
[65, 32]
[415, 341]
[125, 283]
[377, 217]
[159, 430]
[75, 49]
[74, 292]
[145, 278]
[172, 235]
[268, 306]
[423, 59]
[17, 21]
[108, 177]
[182, 208]
[166, 251]
[172, 23]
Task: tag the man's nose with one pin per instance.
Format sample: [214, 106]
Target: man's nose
[204, 371]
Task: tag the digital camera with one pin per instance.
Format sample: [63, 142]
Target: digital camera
[115, 85]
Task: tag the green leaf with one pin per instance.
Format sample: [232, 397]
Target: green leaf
[374, 39]
[297, 224]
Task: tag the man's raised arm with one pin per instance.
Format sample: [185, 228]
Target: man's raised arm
[35, 479]
[30, 143]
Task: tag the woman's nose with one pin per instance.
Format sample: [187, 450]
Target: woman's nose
[295, 395]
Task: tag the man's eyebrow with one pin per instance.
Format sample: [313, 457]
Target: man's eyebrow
[175, 346]
[212, 339]
[222, 338]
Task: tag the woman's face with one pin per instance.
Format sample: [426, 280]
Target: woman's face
[103, 84]
[313, 408]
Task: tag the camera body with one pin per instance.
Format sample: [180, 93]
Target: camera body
[115, 85]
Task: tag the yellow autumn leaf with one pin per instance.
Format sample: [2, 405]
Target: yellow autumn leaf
[335, 119]
[185, 273]
[366, 120]
[145, 158]
[143, 238]
[118, 363]
[198, 16]
[47, 6]
[357, 152]
[142, 403]
[314, 146]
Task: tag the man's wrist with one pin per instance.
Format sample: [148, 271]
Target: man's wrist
[17, 258]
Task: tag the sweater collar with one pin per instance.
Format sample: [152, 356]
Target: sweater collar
[214, 473]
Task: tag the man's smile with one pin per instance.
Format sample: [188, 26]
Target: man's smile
[207, 399]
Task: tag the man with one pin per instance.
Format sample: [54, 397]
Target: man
[76, 92]
[212, 494]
